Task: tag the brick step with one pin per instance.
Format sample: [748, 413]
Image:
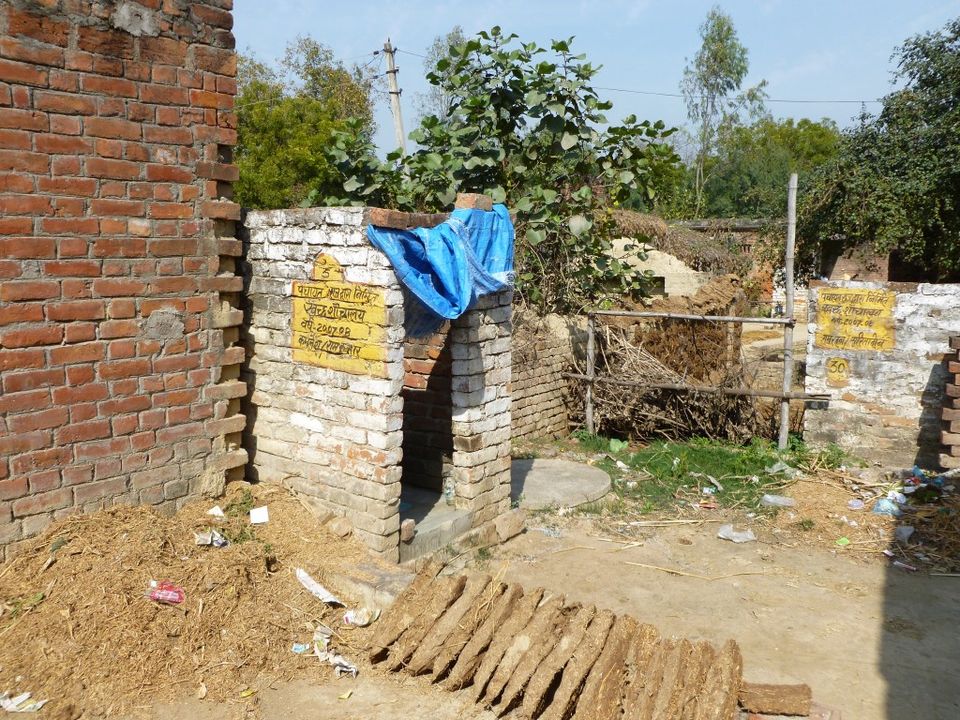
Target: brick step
[953, 390]
[955, 342]
[226, 390]
[226, 317]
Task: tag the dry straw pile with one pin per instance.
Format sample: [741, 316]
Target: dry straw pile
[78, 630]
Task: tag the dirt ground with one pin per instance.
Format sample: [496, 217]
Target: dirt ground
[371, 697]
[875, 642]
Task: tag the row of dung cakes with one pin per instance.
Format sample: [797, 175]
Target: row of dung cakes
[950, 434]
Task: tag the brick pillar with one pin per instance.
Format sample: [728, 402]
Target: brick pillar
[481, 407]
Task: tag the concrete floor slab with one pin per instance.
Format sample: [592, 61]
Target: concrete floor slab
[542, 483]
[438, 524]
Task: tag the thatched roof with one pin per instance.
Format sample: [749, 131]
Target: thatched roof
[697, 249]
[702, 252]
[633, 224]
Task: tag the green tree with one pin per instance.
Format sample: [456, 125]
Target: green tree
[524, 128]
[438, 100]
[748, 175]
[287, 120]
[896, 180]
[710, 87]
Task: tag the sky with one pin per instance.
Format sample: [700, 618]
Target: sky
[812, 50]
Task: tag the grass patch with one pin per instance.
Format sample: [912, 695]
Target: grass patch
[665, 473]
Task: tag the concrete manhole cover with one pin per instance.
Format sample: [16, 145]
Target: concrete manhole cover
[541, 483]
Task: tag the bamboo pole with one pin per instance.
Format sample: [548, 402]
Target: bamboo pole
[684, 316]
[705, 389]
[591, 363]
[788, 311]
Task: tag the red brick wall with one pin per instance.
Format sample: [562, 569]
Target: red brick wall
[117, 285]
[427, 411]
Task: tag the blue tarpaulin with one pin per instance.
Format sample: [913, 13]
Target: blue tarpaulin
[447, 267]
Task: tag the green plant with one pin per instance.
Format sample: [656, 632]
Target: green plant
[286, 120]
[896, 179]
[710, 87]
[241, 505]
[590, 442]
[618, 445]
[525, 126]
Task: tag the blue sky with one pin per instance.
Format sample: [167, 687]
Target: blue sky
[816, 49]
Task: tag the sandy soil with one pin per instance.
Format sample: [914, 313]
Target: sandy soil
[372, 697]
[872, 641]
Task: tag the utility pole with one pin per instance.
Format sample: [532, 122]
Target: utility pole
[392, 71]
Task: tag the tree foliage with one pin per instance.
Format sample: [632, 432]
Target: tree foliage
[710, 86]
[523, 127]
[287, 119]
[748, 175]
[896, 180]
[438, 100]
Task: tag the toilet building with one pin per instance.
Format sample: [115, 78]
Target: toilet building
[346, 409]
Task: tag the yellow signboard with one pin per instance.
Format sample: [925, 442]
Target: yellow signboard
[855, 319]
[838, 372]
[338, 324]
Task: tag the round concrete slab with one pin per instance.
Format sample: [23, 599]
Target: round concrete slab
[541, 483]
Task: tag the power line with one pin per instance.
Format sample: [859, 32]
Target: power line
[407, 52]
[770, 100]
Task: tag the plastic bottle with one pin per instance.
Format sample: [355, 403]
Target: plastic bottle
[777, 501]
[449, 490]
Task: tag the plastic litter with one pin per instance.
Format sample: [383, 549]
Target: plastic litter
[726, 532]
[20, 703]
[165, 592]
[903, 534]
[316, 589]
[856, 504]
[843, 541]
[621, 465]
[898, 497]
[781, 467]
[211, 537]
[301, 648]
[708, 490]
[321, 648]
[904, 566]
[777, 501]
[360, 617]
[549, 531]
[259, 516]
[216, 511]
[345, 696]
[449, 490]
[886, 506]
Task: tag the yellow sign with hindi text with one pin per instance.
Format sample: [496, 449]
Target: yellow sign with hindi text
[338, 324]
[856, 319]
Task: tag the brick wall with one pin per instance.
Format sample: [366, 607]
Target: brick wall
[427, 410]
[886, 402]
[950, 417]
[543, 349]
[117, 285]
